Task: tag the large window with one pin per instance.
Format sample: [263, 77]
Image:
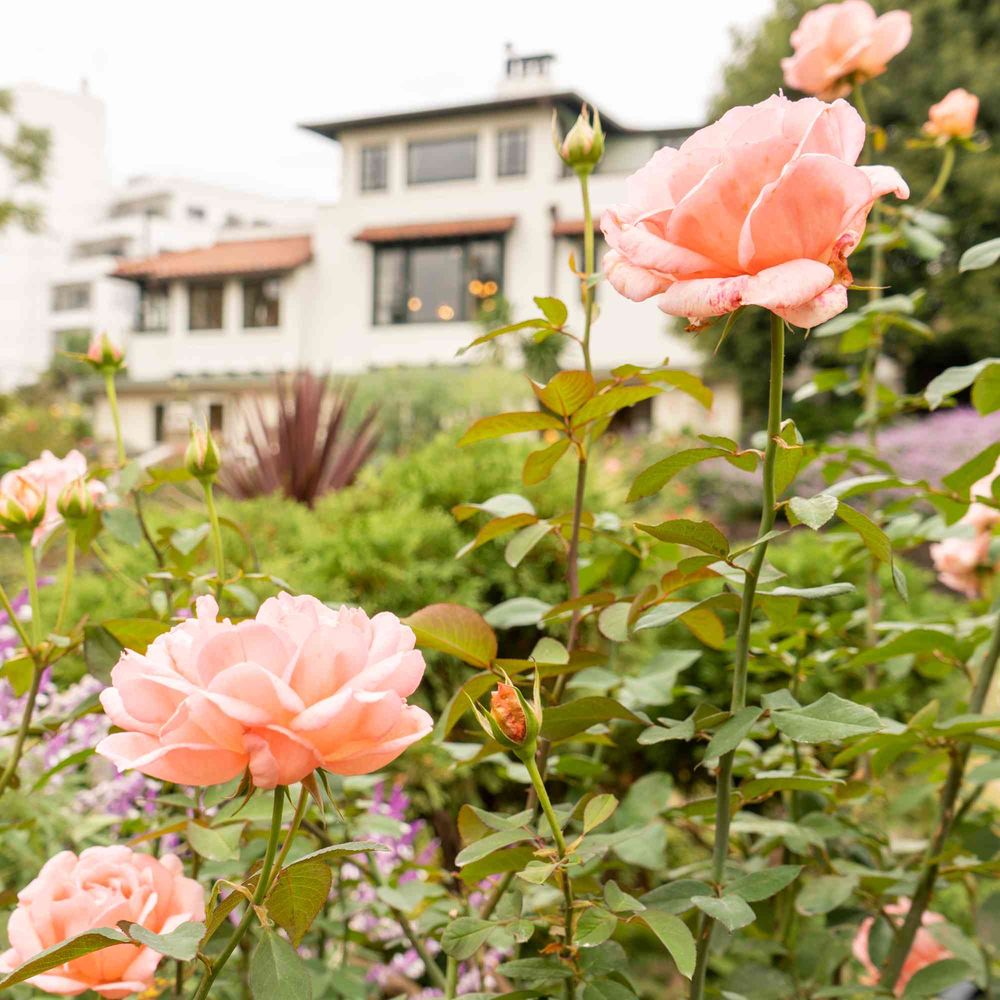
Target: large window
[374, 168]
[66, 297]
[205, 306]
[437, 282]
[154, 309]
[261, 303]
[441, 160]
[512, 152]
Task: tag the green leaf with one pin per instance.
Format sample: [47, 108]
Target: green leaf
[517, 611]
[764, 884]
[502, 424]
[827, 590]
[597, 810]
[986, 390]
[463, 937]
[535, 970]
[607, 989]
[732, 733]
[816, 511]
[612, 401]
[620, 901]
[594, 927]
[788, 457]
[832, 718]
[181, 943]
[701, 535]
[563, 721]
[489, 844]
[932, 979]
[19, 673]
[538, 465]
[566, 392]
[525, 324]
[502, 505]
[123, 526]
[731, 911]
[186, 540]
[298, 895]
[276, 970]
[674, 935]
[74, 947]
[554, 310]
[457, 630]
[524, 541]
[653, 479]
[675, 897]
[981, 255]
[215, 844]
[875, 539]
[685, 382]
[954, 380]
[826, 893]
[337, 851]
[969, 473]
[612, 622]
[136, 633]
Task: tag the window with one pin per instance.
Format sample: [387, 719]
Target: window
[512, 152]
[261, 303]
[374, 168]
[232, 221]
[159, 420]
[216, 415]
[437, 282]
[205, 306]
[441, 160]
[66, 297]
[196, 212]
[154, 309]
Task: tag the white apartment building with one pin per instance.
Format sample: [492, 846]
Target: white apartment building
[445, 214]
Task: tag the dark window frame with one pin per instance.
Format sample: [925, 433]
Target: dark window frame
[70, 287]
[263, 280]
[381, 182]
[472, 137]
[141, 326]
[407, 246]
[515, 130]
[192, 286]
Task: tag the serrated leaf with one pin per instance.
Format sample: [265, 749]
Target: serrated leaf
[457, 630]
[216, 844]
[831, 718]
[732, 733]
[489, 844]
[756, 886]
[701, 535]
[535, 970]
[620, 901]
[502, 424]
[337, 851]
[594, 927]
[65, 951]
[538, 465]
[276, 970]
[814, 512]
[823, 894]
[731, 911]
[297, 897]
[463, 937]
[674, 935]
[653, 479]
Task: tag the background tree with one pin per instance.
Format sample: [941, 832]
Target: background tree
[24, 149]
[956, 43]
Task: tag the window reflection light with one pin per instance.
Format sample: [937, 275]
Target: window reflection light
[475, 287]
[414, 304]
[489, 288]
[445, 312]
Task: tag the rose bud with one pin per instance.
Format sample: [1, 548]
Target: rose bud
[103, 355]
[76, 502]
[512, 721]
[202, 458]
[22, 505]
[954, 116]
[583, 146]
[508, 714]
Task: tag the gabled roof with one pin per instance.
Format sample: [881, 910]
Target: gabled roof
[268, 256]
[569, 100]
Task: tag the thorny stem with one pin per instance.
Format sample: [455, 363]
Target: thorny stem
[724, 780]
[903, 940]
[263, 885]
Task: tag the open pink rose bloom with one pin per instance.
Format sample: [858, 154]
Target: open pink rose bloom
[299, 687]
[761, 208]
[840, 43]
[925, 951]
[954, 116]
[97, 889]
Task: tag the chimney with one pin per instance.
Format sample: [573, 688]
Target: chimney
[526, 74]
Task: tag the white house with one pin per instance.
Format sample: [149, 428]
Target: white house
[445, 213]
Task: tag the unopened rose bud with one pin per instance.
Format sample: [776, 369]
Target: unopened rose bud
[104, 355]
[202, 458]
[583, 146]
[505, 707]
[22, 505]
[76, 503]
[954, 116]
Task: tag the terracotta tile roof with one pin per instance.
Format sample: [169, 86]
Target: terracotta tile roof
[436, 230]
[573, 227]
[237, 257]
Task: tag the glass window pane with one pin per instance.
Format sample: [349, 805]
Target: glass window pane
[436, 284]
[65, 297]
[261, 303]
[153, 309]
[390, 285]
[442, 160]
[512, 152]
[374, 168]
[205, 306]
[484, 266]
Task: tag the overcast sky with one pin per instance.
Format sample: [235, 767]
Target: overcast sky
[213, 89]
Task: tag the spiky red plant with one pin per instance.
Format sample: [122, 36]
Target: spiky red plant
[309, 450]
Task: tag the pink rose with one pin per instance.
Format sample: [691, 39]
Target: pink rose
[840, 41]
[958, 561]
[982, 516]
[925, 950]
[299, 687]
[954, 116]
[97, 889]
[51, 475]
[760, 208]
